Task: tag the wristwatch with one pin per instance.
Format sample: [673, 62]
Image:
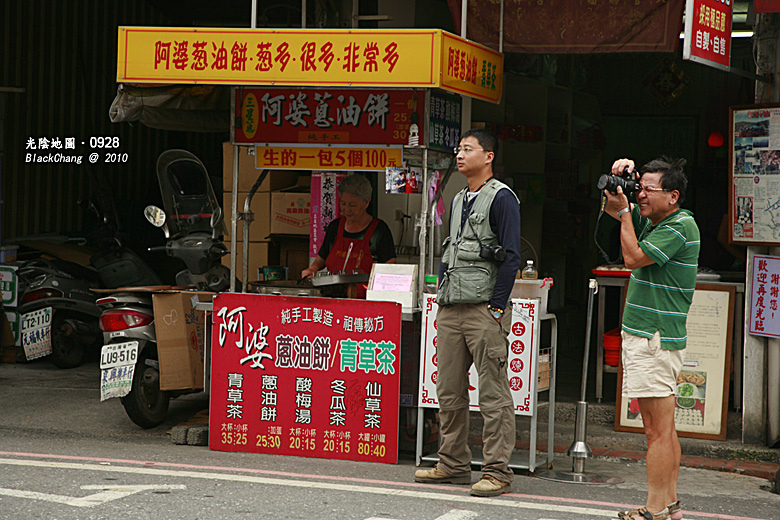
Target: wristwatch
[495, 312]
[624, 210]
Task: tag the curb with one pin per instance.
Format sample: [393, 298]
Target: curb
[765, 470]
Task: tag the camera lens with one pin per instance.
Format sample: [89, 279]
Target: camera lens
[606, 182]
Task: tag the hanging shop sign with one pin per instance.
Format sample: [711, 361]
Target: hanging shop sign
[312, 377]
[395, 58]
[324, 206]
[444, 121]
[324, 158]
[764, 314]
[326, 116]
[708, 32]
[526, 367]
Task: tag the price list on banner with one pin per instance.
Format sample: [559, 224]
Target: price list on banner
[312, 377]
[523, 350]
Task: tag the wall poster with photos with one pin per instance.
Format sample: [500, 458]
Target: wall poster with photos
[701, 396]
[754, 184]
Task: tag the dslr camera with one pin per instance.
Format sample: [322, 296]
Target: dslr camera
[625, 180]
[494, 252]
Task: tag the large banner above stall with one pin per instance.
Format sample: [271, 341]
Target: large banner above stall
[312, 377]
[389, 58]
[326, 116]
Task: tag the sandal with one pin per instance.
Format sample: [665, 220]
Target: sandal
[642, 512]
[675, 511]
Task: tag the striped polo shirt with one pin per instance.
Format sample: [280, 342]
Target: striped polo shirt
[660, 294]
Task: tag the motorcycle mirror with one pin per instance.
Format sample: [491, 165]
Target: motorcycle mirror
[216, 217]
[156, 216]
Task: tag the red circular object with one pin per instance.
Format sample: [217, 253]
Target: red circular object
[518, 347]
[516, 384]
[516, 365]
[434, 377]
[435, 341]
[518, 329]
[435, 360]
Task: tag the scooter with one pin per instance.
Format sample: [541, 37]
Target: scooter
[58, 311]
[127, 321]
[59, 314]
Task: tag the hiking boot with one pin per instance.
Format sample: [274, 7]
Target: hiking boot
[436, 476]
[489, 486]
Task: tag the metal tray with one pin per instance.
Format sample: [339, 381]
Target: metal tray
[337, 278]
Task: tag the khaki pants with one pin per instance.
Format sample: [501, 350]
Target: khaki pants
[468, 333]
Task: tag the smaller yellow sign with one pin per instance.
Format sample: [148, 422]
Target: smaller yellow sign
[471, 69]
[325, 158]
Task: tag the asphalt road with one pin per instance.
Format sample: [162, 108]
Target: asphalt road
[66, 455]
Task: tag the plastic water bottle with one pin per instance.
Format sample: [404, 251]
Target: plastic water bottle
[529, 271]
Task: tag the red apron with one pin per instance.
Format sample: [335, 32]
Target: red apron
[359, 257]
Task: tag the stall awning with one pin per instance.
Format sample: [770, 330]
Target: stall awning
[566, 26]
[389, 58]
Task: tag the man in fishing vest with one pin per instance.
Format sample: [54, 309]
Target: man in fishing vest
[479, 264]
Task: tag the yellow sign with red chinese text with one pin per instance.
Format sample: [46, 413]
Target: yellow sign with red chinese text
[390, 58]
[471, 69]
[324, 158]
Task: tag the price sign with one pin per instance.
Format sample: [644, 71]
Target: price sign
[312, 377]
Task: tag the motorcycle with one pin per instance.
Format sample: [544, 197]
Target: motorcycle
[191, 221]
[59, 314]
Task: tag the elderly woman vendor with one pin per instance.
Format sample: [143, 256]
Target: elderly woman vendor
[364, 238]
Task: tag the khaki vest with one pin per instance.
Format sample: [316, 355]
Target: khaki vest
[470, 278]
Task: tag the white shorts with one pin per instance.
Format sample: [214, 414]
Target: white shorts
[649, 370]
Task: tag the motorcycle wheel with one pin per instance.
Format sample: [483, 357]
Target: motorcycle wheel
[66, 350]
[146, 404]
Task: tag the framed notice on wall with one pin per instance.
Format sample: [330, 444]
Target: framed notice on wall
[701, 393]
[754, 187]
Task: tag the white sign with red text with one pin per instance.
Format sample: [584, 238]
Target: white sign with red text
[521, 362]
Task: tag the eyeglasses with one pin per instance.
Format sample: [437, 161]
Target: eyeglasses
[649, 189]
[467, 150]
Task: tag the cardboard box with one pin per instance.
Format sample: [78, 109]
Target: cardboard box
[260, 254]
[247, 173]
[260, 228]
[180, 338]
[543, 370]
[290, 212]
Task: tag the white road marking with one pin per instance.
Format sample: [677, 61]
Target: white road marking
[454, 514]
[458, 514]
[107, 494]
[506, 502]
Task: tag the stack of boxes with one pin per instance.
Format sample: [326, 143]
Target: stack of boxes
[280, 230]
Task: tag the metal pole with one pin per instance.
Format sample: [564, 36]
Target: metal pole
[501, 29]
[579, 449]
[303, 14]
[463, 7]
[253, 25]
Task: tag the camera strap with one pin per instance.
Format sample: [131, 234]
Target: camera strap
[603, 253]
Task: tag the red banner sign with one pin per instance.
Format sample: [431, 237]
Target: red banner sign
[312, 377]
[708, 32]
[567, 26]
[326, 116]
[766, 6]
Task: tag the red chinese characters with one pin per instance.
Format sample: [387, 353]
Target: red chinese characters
[289, 376]
[764, 315]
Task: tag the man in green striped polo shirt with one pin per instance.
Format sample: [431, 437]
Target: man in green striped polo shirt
[660, 244]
